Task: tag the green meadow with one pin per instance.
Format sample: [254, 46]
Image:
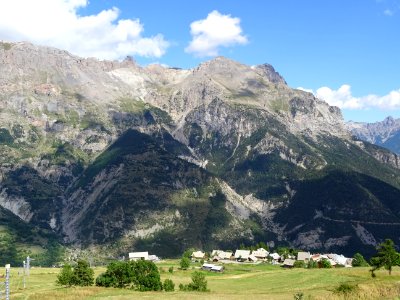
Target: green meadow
[239, 281]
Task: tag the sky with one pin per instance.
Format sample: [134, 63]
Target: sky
[347, 52]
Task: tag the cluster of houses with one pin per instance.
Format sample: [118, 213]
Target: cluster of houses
[262, 255]
[255, 256]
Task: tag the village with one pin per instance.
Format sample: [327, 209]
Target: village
[215, 260]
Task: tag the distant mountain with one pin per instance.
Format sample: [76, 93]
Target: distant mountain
[111, 156]
[385, 133]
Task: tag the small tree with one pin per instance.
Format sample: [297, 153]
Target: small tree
[325, 263]
[184, 263]
[169, 285]
[359, 261]
[83, 274]
[312, 264]
[386, 257]
[147, 276]
[66, 276]
[299, 264]
[198, 284]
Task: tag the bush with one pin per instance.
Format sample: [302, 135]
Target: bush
[325, 264]
[298, 296]
[66, 276]
[198, 284]
[359, 261]
[299, 264]
[184, 263]
[312, 264]
[141, 275]
[171, 269]
[169, 285]
[118, 275]
[345, 288]
[147, 277]
[83, 274]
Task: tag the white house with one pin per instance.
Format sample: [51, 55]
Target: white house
[304, 256]
[260, 253]
[221, 254]
[198, 255]
[275, 256]
[242, 254]
[139, 255]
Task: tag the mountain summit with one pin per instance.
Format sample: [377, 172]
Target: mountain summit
[161, 159]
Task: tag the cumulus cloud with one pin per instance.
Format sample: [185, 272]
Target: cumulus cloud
[216, 31]
[57, 23]
[343, 98]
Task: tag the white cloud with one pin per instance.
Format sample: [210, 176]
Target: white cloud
[57, 23]
[388, 12]
[216, 31]
[343, 98]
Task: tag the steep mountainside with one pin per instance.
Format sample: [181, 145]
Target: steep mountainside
[113, 156]
[385, 133]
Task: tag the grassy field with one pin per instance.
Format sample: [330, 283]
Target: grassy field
[237, 282]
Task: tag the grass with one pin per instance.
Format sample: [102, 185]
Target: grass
[237, 282]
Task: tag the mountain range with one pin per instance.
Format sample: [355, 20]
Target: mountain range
[112, 156]
[385, 133]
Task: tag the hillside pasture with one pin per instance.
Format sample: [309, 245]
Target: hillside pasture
[239, 281]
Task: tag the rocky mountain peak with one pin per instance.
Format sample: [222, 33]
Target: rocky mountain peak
[268, 71]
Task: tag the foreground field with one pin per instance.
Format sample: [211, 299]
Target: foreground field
[237, 282]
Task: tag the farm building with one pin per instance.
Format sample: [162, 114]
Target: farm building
[242, 255]
[198, 255]
[260, 253]
[304, 256]
[288, 263]
[139, 255]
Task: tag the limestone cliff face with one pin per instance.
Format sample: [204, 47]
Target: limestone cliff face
[101, 151]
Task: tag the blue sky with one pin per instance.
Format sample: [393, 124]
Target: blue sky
[345, 51]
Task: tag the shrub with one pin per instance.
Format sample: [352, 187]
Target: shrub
[147, 277]
[118, 274]
[141, 275]
[345, 288]
[359, 261]
[184, 263]
[299, 264]
[171, 269]
[198, 284]
[312, 264]
[66, 276]
[298, 296]
[169, 285]
[325, 264]
[83, 274]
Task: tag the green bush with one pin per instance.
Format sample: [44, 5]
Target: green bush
[184, 263]
[298, 296]
[169, 285]
[141, 275]
[299, 264]
[359, 261]
[325, 264]
[83, 274]
[312, 264]
[147, 277]
[198, 284]
[171, 269]
[66, 276]
[118, 275]
[345, 288]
